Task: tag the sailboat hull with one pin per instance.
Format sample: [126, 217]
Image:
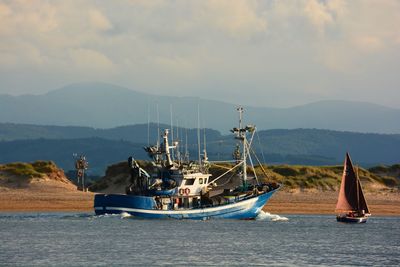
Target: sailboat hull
[347, 219]
[139, 206]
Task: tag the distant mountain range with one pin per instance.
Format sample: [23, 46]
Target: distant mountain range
[102, 105]
[21, 142]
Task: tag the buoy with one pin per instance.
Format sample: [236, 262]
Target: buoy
[187, 191]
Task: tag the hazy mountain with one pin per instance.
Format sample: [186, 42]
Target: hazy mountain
[103, 106]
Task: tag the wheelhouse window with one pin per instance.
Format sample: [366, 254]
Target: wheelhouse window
[189, 182]
[200, 180]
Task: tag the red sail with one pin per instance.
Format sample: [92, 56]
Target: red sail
[362, 203]
[348, 193]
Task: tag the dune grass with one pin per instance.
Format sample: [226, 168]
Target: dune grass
[37, 169]
[315, 177]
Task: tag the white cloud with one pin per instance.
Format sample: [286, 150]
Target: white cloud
[368, 43]
[318, 13]
[239, 19]
[99, 21]
[90, 60]
[277, 47]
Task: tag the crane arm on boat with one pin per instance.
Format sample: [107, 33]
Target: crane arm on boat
[231, 169]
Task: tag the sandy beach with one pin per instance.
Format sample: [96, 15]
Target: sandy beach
[45, 196]
[324, 202]
[64, 198]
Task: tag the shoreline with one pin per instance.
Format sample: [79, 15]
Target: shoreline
[284, 202]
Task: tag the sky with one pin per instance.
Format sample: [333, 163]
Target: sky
[261, 53]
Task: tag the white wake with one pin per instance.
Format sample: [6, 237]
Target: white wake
[266, 216]
[125, 215]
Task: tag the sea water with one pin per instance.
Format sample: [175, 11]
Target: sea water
[76, 239]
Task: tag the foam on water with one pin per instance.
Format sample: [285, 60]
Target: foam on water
[262, 216]
[125, 215]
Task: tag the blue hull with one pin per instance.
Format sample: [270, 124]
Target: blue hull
[145, 207]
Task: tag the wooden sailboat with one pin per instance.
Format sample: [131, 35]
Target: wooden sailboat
[351, 206]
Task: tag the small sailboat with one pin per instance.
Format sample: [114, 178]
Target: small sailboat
[351, 205]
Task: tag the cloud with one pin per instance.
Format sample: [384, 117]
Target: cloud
[148, 4]
[4, 10]
[239, 19]
[99, 21]
[87, 59]
[368, 43]
[25, 17]
[318, 13]
[276, 47]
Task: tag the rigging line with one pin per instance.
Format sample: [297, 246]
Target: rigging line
[215, 142]
[234, 167]
[251, 162]
[220, 166]
[228, 181]
[223, 161]
[261, 147]
[251, 139]
[260, 164]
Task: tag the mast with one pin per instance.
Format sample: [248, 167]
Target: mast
[205, 157]
[177, 143]
[166, 149]
[241, 136]
[358, 189]
[148, 124]
[186, 145]
[158, 127]
[172, 132]
[172, 127]
[198, 133]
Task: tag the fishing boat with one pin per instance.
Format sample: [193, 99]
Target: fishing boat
[351, 206]
[182, 189]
